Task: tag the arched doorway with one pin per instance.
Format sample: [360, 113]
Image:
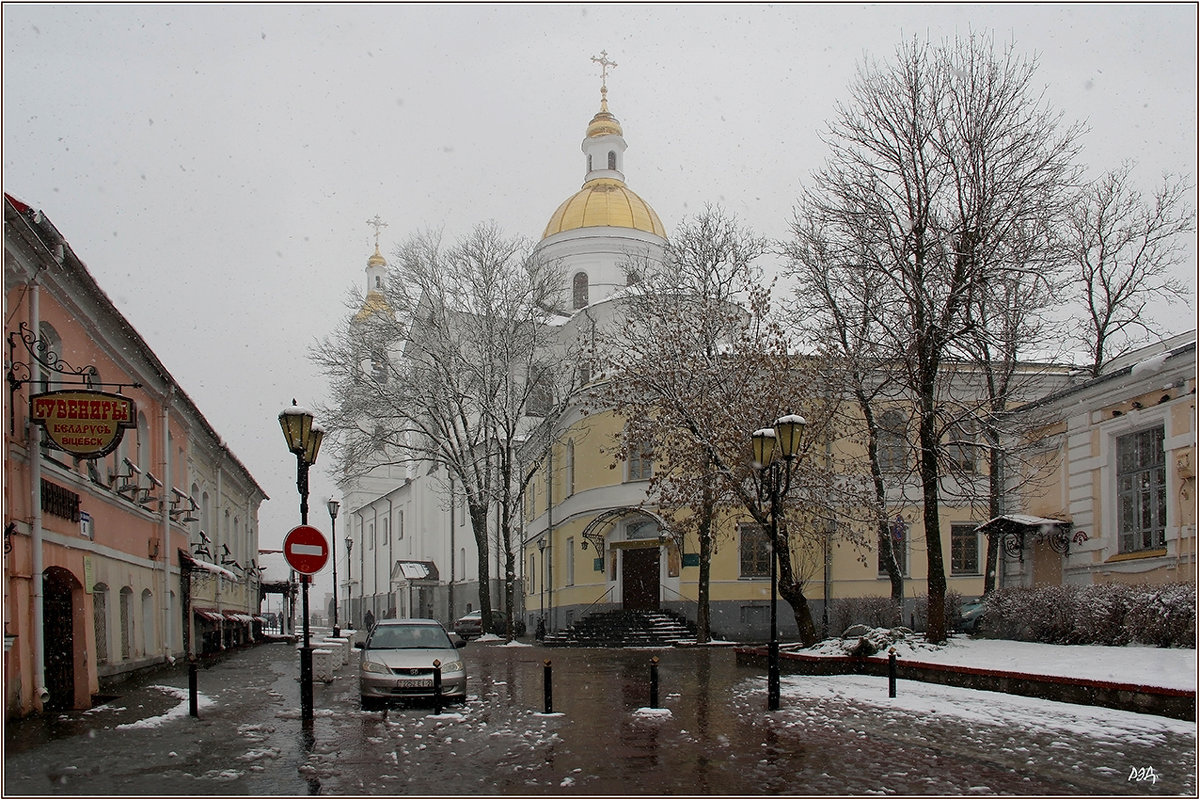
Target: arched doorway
[58, 636]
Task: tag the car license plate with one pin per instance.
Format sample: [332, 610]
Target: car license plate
[415, 683]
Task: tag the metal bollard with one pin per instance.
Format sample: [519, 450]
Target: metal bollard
[891, 672]
[546, 687]
[193, 693]
[654, 682]
[437, 686]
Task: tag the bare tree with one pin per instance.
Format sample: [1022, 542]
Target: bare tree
[1124, 247]
[443, 373]
[695, 366]
[935, 163]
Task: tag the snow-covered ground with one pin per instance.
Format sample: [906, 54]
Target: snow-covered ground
[1172, 668]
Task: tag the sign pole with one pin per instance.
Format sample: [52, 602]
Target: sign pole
[307, 552]
[306, 668]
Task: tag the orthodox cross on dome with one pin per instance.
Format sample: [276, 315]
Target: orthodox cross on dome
[604, 65]
[377, 224]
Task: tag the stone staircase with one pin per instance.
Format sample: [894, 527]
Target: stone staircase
[625, 629]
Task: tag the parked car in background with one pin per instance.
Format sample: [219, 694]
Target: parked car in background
[470, 624]
[397, 663]
[969, 614]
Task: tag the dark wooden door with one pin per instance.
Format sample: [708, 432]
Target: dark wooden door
[639, 579]
[57, 622]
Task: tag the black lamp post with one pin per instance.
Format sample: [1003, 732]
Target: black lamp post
[771, 444]
[333, 506]
[542, 580]
[349, 578]
[303, 439]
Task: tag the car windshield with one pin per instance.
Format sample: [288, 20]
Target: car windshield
[403, 637]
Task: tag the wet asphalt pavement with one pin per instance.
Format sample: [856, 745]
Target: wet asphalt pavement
[712, 736]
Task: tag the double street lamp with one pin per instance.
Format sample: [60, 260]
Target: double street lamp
[333, 506]
[770, 446]
[304, 440]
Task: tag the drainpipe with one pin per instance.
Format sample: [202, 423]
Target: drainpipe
[549, 576]
[34, 449]
[375, 563]
[391, 555]
[164, 510]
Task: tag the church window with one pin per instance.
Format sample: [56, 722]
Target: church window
[612, 159]
[579, 290]
[589, 162]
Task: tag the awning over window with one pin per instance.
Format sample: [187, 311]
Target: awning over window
[1014, 528]
[210, 614]
[416, 571]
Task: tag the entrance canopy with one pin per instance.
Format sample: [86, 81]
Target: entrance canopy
[1013, 528]
[416, 572]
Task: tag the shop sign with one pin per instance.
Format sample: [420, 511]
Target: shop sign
[85, 424]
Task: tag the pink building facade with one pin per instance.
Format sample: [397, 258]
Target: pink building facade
[92, 545]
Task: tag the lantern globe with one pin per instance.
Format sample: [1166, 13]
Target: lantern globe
[333, 506]
[788, 429]
[296, 423]
[763, 441]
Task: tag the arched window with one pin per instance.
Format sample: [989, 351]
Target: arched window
[126, 623]
[612, 159]
[52, 350]
[147, 622]
[589, 169]
[143, 443]
[579, 290]
[100, 621]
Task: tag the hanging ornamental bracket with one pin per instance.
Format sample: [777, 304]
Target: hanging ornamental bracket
[40, 352]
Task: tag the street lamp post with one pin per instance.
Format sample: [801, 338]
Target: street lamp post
[541, 629]
[303, 439]
[349, 581]
[333, 505]
[771, 444]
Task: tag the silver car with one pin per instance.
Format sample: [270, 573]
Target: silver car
[397, 663]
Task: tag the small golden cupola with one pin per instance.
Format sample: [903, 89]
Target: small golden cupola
[604, 200]
[375, 302]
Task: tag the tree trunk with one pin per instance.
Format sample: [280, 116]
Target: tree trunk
[479, 527]
[935, 630]
[703, 631]
[793, 592]
[995, 488]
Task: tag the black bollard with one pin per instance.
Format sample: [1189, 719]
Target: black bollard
[546, 687]
[437, 686]
[654, 682]
[193, 693]
[891, 672]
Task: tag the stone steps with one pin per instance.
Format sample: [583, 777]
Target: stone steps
[625, 629]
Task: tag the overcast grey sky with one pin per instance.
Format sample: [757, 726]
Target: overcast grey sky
[215, 165]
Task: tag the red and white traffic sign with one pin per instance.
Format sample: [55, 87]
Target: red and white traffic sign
[305, 549]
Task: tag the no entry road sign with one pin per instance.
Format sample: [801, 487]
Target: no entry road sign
[305, 549]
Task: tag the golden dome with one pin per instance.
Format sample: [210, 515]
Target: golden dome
[374, 303]
[377, 259]
[604, 202]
